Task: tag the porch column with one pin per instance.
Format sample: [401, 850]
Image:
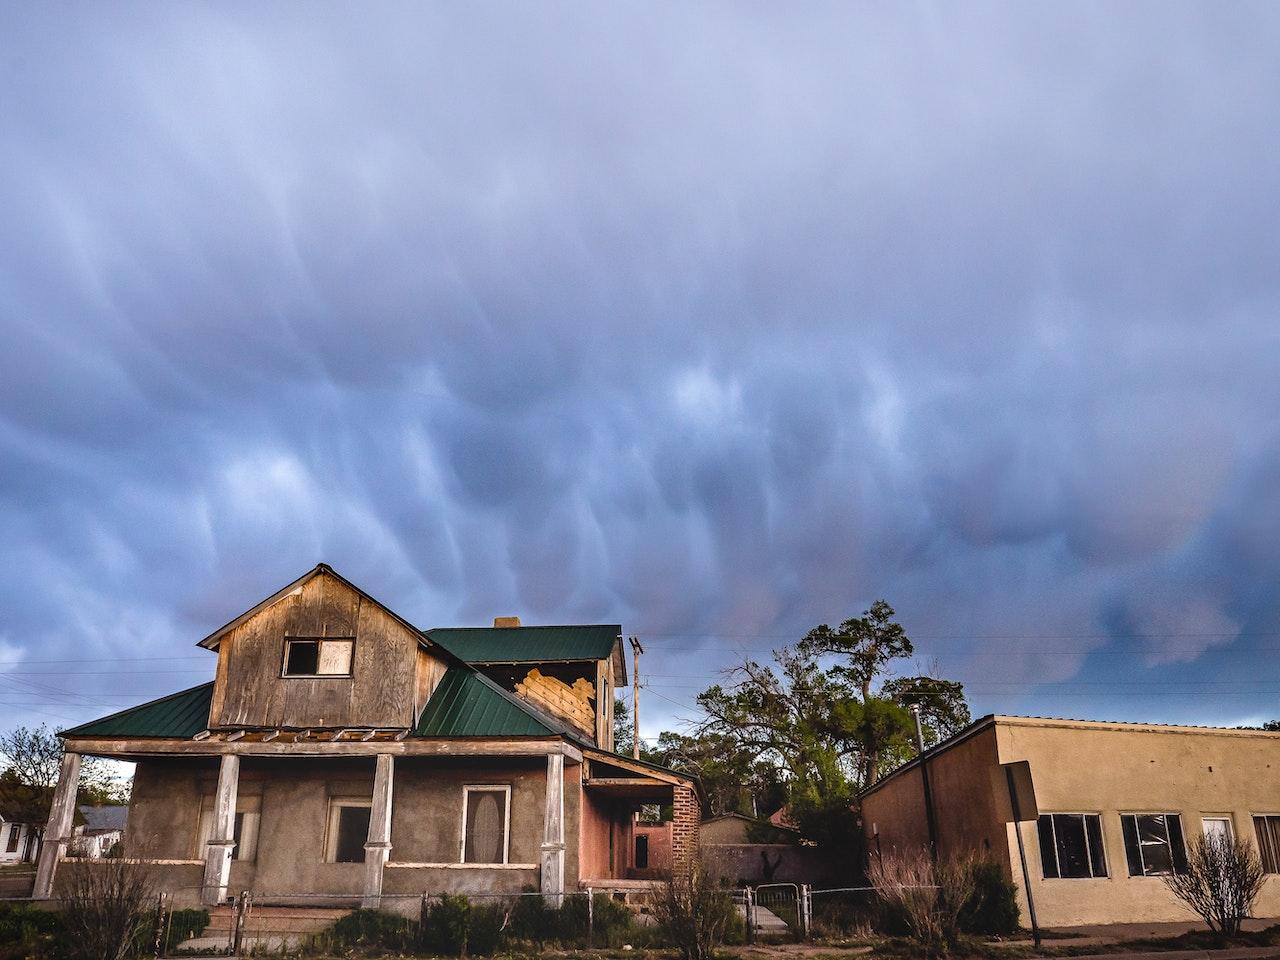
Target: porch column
[686, 820]
[222, 832]
[377, 850]
[58, 830]
[553, 831]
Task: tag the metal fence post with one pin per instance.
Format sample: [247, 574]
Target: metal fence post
[591, 918]
[159, 944]
[751, 916]
[806, 910]
[241, 910]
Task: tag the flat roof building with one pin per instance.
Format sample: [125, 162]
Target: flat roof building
[1107, 809]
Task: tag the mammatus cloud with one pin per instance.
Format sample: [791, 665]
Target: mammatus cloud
[720, 323]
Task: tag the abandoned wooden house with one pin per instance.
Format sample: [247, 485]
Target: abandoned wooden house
[341, 751]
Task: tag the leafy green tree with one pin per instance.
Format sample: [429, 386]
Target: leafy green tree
[32, 759]
[733, 778]
[624, 732]
[863, 647]
[830, 719]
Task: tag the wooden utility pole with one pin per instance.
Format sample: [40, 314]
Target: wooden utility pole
[636, 650]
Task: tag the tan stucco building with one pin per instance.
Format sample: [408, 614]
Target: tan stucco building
[1115, 805]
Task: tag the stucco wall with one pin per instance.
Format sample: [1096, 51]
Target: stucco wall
[729, 829]
[294, 794]
[964, 801]
[1110, 771]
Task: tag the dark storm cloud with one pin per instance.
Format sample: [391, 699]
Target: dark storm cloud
[716, 321]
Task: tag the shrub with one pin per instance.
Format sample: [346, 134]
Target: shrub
[1222, 880]
[30, 932]
[372, 928]
[446, 925]
[107, 906]
[533, 920]
[695, 913]
[929, 897]
[485, 928]
[183, 925]
[993, 908]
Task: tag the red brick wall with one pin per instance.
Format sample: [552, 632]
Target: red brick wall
[687, 817]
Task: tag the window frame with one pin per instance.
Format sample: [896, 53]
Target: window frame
[1219, 818]
[1263, 850]
[14, 840]
[467, 790]
[247, 805]
[333, 822]
[1088, 847]
[1168, 839]
[320, 641]
[641, 839]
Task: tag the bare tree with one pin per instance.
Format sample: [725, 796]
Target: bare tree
[930, 896]
[1221, 882]
[106, 905]
[695, 913]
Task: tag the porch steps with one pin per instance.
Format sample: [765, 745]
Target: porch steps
[268, 920]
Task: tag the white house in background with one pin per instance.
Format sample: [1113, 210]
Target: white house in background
[102, 829]
[19, 841]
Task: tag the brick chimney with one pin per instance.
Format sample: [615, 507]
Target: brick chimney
[501, 622]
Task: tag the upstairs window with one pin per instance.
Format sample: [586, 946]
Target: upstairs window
[1153, 844]
[486, 823]
[318, 657]
[1071, 846]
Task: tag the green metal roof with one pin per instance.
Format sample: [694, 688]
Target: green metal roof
[529, 644]
[468, 704]
[182, 714]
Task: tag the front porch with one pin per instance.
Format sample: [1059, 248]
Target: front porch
[309, 817]
[345, 828]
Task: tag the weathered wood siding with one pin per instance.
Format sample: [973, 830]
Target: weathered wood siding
[384, 687]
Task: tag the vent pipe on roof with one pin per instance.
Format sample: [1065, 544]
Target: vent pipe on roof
[500, 622]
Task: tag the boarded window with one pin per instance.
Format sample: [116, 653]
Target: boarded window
[642, 852]
[304, 657]
[348, 831]
[1268, 830]
[485, 823]
[1071, 845]
[1153, 843]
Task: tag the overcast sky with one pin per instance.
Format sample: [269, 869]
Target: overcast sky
[719, 322]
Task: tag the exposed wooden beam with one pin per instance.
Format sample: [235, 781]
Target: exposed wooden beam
[463, 747]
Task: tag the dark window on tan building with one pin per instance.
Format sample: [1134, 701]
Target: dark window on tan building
[306, 657]
[1268, 830]
[1071, 845]
[1153, 843]
[486, 822]
[14, 832]
[642, 852]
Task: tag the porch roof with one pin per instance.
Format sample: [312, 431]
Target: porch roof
[182, 714]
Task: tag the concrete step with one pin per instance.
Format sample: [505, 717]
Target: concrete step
[263, 920]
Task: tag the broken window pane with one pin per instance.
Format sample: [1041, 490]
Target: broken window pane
[302, 658]
[1153, 843]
